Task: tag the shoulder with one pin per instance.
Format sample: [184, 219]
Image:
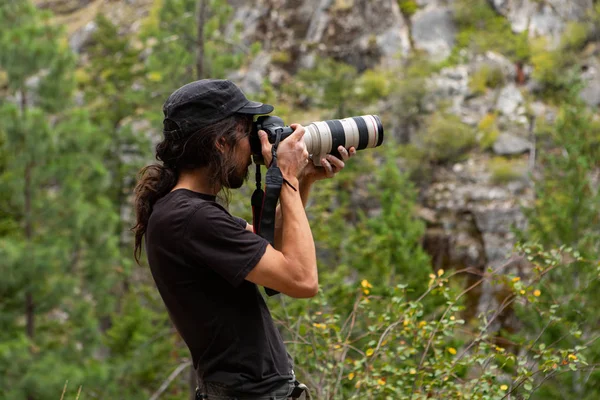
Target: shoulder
[210, 217]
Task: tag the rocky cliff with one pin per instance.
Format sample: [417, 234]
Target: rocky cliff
[469, 212]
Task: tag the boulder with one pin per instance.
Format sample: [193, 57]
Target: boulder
[509, 100]
[508, 144]
[590, 77]
[433, 30]
[80, 38]
[542, 18]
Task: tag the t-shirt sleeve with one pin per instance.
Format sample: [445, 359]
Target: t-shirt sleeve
[217, 240]
[241, 221]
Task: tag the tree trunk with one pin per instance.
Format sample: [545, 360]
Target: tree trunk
[29, 303]
[200, 19]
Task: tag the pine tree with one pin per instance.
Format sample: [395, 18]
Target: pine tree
[566, 214]
[58, 264]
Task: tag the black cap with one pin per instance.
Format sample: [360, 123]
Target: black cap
[205, 102]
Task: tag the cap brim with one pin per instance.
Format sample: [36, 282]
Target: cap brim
[255, 108]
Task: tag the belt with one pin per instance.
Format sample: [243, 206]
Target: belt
[294, 391]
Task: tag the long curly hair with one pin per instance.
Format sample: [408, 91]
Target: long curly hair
[175, 155]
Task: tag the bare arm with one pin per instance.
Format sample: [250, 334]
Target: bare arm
[309, 175]
[293, 269]
[304, 188]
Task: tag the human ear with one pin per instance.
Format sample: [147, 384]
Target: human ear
[221, 144]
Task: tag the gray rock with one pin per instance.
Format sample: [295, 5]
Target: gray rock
[433, 30]
[546, 18]
[509, 100]
[248, 17]
[425, 3]
[252, 82]
[590, 93]
[450, 84]
[81, 37]
[499, 220]
[508, 144]
[392, 44]
[317, 22]
[495, 61]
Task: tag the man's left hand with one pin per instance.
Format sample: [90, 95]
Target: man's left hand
[330, 166]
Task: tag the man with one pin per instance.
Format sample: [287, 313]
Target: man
[207, 263]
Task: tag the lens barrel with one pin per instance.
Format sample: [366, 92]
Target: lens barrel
[324, 137]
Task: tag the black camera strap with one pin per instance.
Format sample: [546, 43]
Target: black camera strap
[264, 203]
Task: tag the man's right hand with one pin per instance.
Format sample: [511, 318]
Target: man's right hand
[292, 155]
[293, 269]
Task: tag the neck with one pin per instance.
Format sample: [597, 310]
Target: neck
[197, 181]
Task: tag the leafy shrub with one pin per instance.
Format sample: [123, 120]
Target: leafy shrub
[281, 57]
[482, 29]
[372, 86]
[408, 7]
[556, 70]
[504, 170]
[488, 131]
[446, 138]
[574, 37]
[330, 85]
[385, 345]
[484, 78]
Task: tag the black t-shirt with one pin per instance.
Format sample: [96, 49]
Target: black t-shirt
[200, 255]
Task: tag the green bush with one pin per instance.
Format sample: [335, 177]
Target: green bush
[504, 170]
[574, 37]
[484, 78]
[385, 345]
[488, 131]
[482, 29]
[446, 138]
[372, 86]
[408, 7]
[557, 69]
[280, 57]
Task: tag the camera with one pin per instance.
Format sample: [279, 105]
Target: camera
[322, 137]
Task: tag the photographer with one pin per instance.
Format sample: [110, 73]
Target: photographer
[207, 263]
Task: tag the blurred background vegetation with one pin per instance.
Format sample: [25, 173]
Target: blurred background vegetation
[460, 260]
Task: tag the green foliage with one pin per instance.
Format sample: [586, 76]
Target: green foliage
[281, 57]
[31, 46]
[409, 89]
[574, 37]
[383, 326]
[171, 34]
[505, 170]
[382, 344]
[488, 131]
[446, 138]
[481, 29]
[566, 214]
[566, 208]
[484, 78]
[550, 68]
[408, 7]
[330, 85]
[556, 70]
[387, 245]
[372, 86]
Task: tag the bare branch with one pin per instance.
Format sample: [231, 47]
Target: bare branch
[170, 379]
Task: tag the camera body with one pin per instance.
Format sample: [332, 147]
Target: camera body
[323, 137]
[273, 126]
